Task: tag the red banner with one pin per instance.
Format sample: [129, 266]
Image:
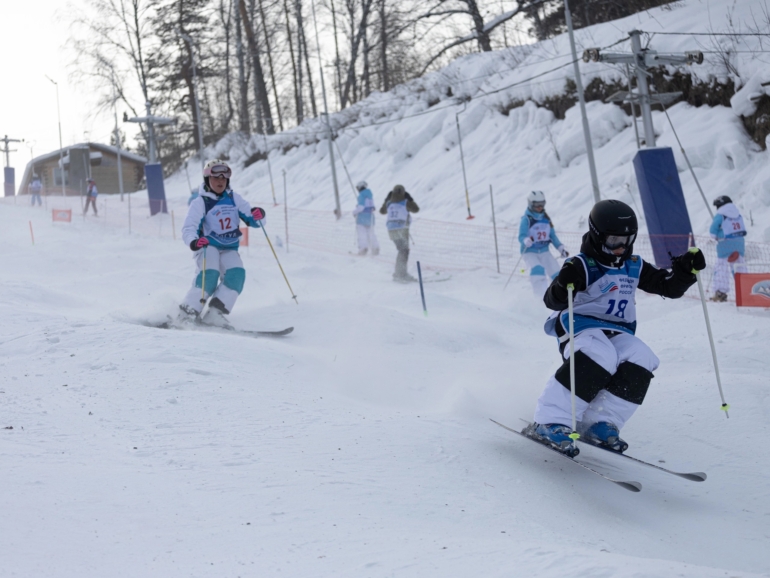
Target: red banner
[64, 215]
[752, 289]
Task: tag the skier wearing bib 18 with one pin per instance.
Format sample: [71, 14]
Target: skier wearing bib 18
[212, 231]
[613, 367]
[397, 206]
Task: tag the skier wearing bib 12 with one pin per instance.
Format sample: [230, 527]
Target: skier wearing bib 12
[536, 233]
[211, 229]
[613, 367]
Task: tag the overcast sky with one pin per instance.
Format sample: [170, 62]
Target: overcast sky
[32, 46]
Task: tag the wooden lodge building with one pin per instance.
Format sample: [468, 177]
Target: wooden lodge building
[81, 162]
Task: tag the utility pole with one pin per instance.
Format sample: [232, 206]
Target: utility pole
[189, 42]
[641, 59]
[6, 141]
[117, 135]
[338, 209]
[582, 100]
[150, 121]
[61, 147]
[10, 185]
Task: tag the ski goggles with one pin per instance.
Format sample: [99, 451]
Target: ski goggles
[538, 205]
[220, 171]
[618, 241]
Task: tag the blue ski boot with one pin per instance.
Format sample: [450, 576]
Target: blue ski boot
[554, 435]
[605, 435]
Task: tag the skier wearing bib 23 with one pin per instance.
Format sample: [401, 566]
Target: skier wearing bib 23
[536, 233]
[613, 367]
[211, 229]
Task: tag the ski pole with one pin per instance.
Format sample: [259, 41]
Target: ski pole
[203, 279]
[293, 296]
[422, 292]
[570, 289]
[725, 406]
[512, 272]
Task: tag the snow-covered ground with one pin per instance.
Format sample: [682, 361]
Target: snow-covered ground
[360, 445]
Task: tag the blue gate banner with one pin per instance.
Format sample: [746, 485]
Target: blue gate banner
[155, 190]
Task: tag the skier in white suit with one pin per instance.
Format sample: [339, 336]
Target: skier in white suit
[212, 230]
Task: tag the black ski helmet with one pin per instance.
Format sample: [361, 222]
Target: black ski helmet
[722, 200]
[612, 224]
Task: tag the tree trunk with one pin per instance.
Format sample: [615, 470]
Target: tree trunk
[349, 83]
[385, 77]
[243, 85]
[367, 85]
[297, 86]
[228, 81]
[263, 104]
[303, 40]
[478, 25]
[337, 72]
[270, 62]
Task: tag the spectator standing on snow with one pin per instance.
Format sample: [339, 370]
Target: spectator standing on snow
[364, 213]
[728, 230]
[91, 193]
[397, 206]
[34, 189]
[211, 230]
[536, 233]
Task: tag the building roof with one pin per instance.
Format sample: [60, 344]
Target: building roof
[27, 177]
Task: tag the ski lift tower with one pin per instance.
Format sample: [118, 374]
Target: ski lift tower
[153, 171]
[9, 173]
[665, 210]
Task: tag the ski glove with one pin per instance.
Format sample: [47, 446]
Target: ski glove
[528, 242]
[689, 262]
[258, 213]
[563, 251]
[199, 243]
[571, 273]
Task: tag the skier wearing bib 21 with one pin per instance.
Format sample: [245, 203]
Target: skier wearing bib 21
[613, 367]
[211, 229]
[536, 233]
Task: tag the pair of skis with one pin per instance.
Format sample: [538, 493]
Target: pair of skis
[631, 486]
[169, 324]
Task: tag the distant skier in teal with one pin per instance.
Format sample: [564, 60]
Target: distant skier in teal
[728, 230]
[536, 233]
[364, 214]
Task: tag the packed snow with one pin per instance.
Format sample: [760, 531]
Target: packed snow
[360, 445]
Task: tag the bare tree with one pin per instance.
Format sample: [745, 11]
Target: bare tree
[263, 104]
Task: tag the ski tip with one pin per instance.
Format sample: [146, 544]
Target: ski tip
[694, 476]
[631, 486]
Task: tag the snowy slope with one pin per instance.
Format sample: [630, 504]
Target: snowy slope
[409, 134]
[357, 446]
[360, 445]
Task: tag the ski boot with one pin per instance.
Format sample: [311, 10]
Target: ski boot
[719, 297]
[604, 435]
[554, 435]
[404, 278]
[187, 315]
[216, 315]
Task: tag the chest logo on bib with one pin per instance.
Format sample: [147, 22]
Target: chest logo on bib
[607, 286]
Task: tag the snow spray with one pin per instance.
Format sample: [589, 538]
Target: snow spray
[422, 290]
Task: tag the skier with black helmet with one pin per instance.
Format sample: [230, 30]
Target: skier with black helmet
[364, 214]
[728, 230]
[536, 233]
[613, 367]
[212, 231]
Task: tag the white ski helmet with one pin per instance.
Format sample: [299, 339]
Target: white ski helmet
[535, 197]
[217, 167]
[361, 185]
